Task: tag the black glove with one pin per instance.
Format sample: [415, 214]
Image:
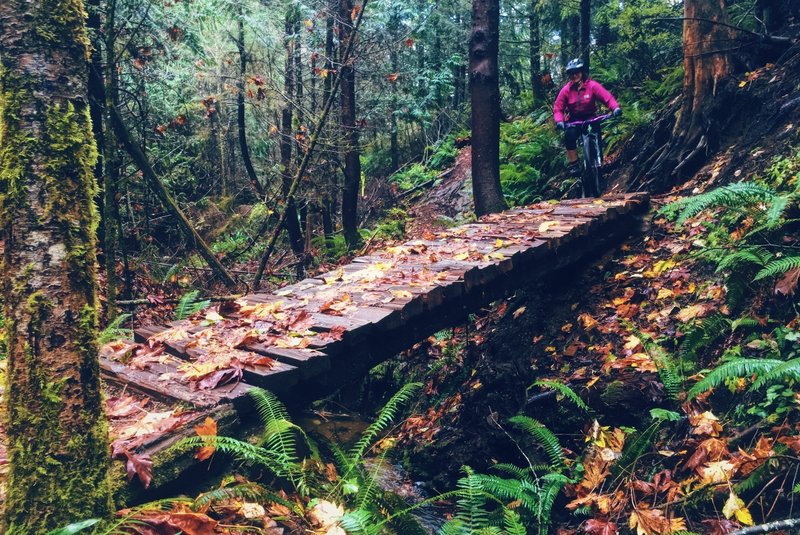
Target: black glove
[617, 112]
[560, 125]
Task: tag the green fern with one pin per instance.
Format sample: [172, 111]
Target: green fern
[247, 491]
[190, 304]
[732, 196]
[359, 521]
[565, 391]
[703, 334]
[471, 509]
[785, 370]
[512, 523]
[637, 445]
[778, 267]
[382, 421]
[745, 256]
[543, 436]
[734, 369]
[115, 331]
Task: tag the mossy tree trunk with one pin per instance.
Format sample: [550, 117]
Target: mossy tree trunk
[706, 65]
[485, 94]
[57, 435]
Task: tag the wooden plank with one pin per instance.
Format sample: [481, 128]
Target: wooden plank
[310, 362]
[151, 382]
[278, 377]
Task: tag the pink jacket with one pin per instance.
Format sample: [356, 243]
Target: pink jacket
[580, 104]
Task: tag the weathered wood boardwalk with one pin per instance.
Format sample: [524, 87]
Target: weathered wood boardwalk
[309, 338]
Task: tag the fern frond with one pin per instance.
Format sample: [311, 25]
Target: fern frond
[785, 370]
[509, 490]
[189, 304]
[732, 196]
[384, 418]
[703, 334]
[745, 323]
[512, 523]
[634, 449]
[359, 521]
[778, 267]
[553, 483]
[455, 527]
[248, 491]
[543, 436]
[518, 472]
[734, 369]
[754, 254]
[472, 501]
[775, 211]
[565, 391]
[238, 449]
[671, 375]
[368, 486]
[114, 330]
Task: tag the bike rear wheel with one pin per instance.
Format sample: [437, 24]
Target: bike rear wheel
[592, 177]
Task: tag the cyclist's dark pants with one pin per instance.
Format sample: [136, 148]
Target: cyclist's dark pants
[572, 133]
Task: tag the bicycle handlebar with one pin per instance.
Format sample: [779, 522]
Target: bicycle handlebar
[598, 119]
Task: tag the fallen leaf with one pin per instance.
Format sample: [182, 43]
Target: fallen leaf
[207, 429]
[717, 472]
[547, 225]
[595, 526]
[735, 506]
[692, 312]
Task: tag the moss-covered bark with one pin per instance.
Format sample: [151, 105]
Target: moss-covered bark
[56, 430]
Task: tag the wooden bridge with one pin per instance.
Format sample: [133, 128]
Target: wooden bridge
[309, 338]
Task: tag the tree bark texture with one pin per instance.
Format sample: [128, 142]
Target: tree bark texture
[57, 435]
[330, 167]
[535, 50]
[586, 20]
[240, 109]
[352, 153]
[287, 135]
[706, 64]
[485, 95]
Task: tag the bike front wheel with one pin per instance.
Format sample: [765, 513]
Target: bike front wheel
[591, 180]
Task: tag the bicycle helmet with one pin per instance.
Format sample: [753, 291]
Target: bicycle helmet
[574, 65]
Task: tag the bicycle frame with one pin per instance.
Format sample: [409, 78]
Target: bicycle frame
[591, 179]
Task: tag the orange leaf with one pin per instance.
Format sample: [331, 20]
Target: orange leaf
[207, 429]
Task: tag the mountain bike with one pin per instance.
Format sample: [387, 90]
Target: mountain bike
[592, 176]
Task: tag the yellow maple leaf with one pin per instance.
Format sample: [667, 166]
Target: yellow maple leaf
[717, 472]
[735, 506]
[461, 256]
[665, 293]
[547, 225]
[498, 243]
[691, 312]
[663, 265]
[401, 294]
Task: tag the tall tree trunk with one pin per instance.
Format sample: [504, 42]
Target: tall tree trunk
[535, 52]
[574, 35]
[485, 94]
[240, 108]
[56, 430]
[586, 20]
[287, 137]
[352, 162]
[706, 63]
[111, 215]
[330, 171]
[394, 145]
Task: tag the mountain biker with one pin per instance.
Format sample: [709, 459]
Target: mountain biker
[577, 102]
